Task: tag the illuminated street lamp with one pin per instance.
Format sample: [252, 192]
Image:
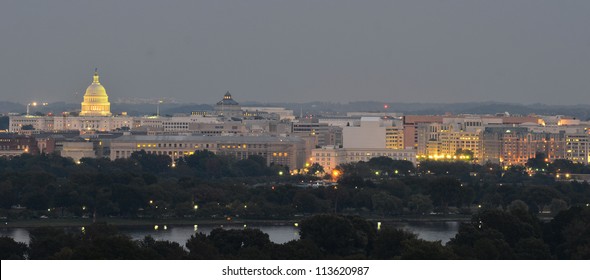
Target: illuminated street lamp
[34, 104]
[29, 105]
[158, 107]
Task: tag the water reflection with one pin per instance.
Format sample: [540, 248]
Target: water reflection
[431, 231]
[180, 234]
[18, 234]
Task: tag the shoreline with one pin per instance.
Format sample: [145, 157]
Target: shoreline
[135, 222]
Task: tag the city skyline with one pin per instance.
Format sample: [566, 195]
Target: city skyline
[522, 52]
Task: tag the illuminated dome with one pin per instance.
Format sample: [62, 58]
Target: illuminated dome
[228, 107]
[96, 101]
[227, 100]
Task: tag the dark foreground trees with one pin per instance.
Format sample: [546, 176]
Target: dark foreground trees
[491, 234]
[150, 185]
[12, 250]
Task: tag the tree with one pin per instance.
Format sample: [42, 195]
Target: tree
[388, 244]
[465, 155]
[46, 242]
[472, 242]
[458, 169]
[250, 168]
[418, 249]
[12, 250]
[151, 163]
[420, 204]
[387, 204]
[206, 164]
[390, 166]
[568, 234]
[512, 227]
[161, 250]
[562, 166]
[539, 163]
[558, 205]
[306, 202]
[315, 169]
[302, 249]
[532, 249]
[201, 248]
[337, 235]
[540, 196]
[231, 242]
[518, 206]
[445, 191]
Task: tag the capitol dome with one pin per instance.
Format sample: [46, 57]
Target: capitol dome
[96, 101]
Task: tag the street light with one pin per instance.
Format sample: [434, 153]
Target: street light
[158, 108]
[34, 104]
[29, 105]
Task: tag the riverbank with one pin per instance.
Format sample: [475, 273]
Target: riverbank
[128, 222]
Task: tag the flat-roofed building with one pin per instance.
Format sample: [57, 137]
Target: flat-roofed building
[578, 148]
[288, 151]
[330, 157]
[394, 137]
[370, 133]
[14, 145]
[516, 145]
[78, 150]
[325, 134]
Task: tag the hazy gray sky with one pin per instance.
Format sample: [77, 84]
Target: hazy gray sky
[523, 51]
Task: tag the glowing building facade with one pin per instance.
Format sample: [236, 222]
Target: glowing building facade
[96, 101]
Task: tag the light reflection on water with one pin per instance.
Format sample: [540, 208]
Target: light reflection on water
[180, 234]
[18, 234]
[431, 231]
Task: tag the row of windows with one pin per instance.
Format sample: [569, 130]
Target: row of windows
[232, 146]
[170, 145]
[98, 108]
[11, 148]
[364, 154]
[196, 146]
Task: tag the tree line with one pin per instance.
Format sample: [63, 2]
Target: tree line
[204, 185]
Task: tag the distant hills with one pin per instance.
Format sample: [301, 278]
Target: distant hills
[578, 111]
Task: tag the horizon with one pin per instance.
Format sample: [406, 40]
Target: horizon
[248, 102]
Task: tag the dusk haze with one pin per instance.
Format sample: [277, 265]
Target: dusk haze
[524, 51]
[294, 139]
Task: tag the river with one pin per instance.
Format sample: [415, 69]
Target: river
[431, 231]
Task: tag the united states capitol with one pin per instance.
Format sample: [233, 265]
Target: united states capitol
[281, 137]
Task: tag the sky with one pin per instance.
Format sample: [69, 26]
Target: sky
[516, 51]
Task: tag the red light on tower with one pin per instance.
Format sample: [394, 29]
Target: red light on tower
[385, 106]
